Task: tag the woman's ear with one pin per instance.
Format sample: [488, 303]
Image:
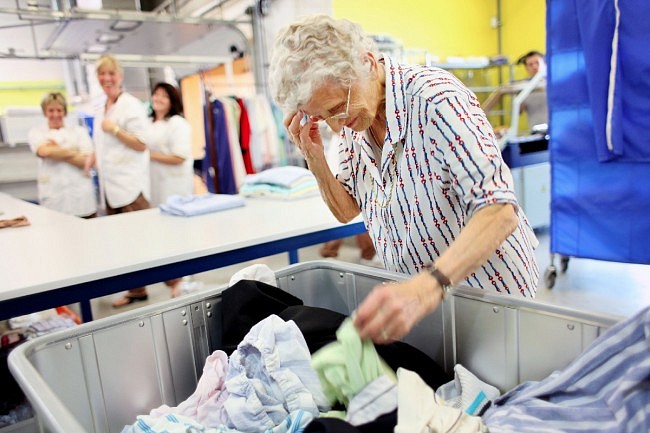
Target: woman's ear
[371, 63]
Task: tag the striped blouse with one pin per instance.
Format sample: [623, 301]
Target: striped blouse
[439, 165]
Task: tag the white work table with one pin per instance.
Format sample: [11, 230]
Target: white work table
[60, 259]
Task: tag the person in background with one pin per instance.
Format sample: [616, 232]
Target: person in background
[170, 150]
[535, 105]
[62, 151]
[120, 132]
[363, 241]
[417, 158]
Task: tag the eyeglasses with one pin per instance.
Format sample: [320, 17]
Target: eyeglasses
[335, 117]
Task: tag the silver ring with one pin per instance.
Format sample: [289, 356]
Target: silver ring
[385, 335]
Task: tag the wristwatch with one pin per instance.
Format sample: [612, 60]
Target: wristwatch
[443, 280]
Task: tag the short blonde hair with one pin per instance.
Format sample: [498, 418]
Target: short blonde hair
[108, 61]
[54, 98]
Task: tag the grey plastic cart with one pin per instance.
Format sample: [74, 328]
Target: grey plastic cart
[99, 376]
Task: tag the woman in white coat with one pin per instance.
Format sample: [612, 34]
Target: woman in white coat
[170, 146]
[120, 130]
[170, 150]
[62, 151]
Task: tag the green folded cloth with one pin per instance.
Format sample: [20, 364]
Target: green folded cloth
[347, 365]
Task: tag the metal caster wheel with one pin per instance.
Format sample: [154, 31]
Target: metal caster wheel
[549, 276]
[564, 263]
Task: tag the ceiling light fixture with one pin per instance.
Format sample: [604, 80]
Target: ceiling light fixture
[125, 26]
[109, 38]
[97, 48]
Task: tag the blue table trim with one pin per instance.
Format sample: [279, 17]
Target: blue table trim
[84, 292]
[527, 150]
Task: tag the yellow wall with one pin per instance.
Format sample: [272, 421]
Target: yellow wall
[442, 27]
[523, 29]
[452, 28]
[27, 93]
[458, 28]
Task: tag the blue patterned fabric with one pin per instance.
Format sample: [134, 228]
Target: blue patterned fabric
[606, 389]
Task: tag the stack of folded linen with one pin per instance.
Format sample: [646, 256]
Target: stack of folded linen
[190, 205]
[286, 183]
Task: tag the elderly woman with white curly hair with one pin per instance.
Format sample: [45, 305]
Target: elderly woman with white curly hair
[417, 157]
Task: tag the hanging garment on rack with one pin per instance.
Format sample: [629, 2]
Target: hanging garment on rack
[264, 135]
[245, 137]
[233, 114]
[217, 163]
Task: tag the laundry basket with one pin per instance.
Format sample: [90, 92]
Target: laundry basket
[99, 376]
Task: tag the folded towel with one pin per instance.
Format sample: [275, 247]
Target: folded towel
[305, 187]
[283, 176]
[190, 205]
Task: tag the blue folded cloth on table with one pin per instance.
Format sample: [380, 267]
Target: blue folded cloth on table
[190, 205]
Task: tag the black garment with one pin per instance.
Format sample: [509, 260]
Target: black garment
[400, 354]
[319, 326]
[11, 395]
[384, 424]
[246, 303]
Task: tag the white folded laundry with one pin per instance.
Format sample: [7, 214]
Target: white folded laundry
[283, 176]
[191, 205]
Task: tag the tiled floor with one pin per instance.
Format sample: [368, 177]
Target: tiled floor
[612, 288]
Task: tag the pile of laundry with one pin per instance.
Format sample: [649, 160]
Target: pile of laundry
[287, 367]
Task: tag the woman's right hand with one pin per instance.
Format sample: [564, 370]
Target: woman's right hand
[305, 135]
[90, 163]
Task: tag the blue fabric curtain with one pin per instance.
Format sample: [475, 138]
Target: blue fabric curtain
[599, 107]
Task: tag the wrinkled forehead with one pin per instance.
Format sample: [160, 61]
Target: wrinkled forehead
[322, 97]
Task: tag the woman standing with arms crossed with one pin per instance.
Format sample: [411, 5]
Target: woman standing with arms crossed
[120, 132]
[62, 151]
[170, 149]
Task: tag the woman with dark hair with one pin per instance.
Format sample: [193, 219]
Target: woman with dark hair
[170, 146]
[170, 149]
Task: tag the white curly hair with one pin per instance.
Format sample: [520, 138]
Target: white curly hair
[313, 51]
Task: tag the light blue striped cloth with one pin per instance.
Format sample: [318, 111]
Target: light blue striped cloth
[270, 377]
[606, 389]
[171, 423]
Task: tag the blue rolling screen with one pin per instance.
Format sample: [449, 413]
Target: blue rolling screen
[599, 105]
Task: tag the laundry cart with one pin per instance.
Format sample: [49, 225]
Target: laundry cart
[99, 376]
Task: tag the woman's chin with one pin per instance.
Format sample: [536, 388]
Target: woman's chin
[353, 124]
